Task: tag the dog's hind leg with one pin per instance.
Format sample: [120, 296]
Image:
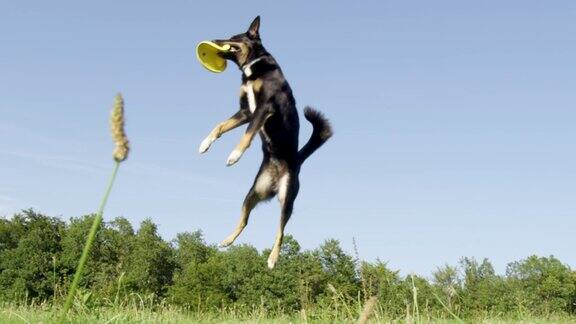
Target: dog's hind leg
[262, 189]
[288, 186]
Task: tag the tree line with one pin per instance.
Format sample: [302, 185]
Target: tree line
[38, 256]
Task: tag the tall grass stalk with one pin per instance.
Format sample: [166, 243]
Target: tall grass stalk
[120, 154]
[89, 241]
[415, 308]
[368, 310]
[448, 309]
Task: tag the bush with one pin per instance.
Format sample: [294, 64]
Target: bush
[38, 255]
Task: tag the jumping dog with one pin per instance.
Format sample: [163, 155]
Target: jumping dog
[269, 108]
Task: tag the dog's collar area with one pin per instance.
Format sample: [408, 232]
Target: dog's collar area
[247, 68]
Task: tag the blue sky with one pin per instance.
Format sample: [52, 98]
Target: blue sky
[454, 121]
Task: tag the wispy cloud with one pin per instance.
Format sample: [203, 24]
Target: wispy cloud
[26, 133]
[28, 142]
[59, 162]
[72, 161]
[165, 172]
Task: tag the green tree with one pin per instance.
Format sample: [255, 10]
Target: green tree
[340, 268]
[190, 247]
[150, 266]
[483, 292]
[10, 234]
[427, 303]
[543, 285]
[280, 288]
[27, 267]
[108, 258]
[39, 253]
[199, 284]
[447, 286]
[386, 284]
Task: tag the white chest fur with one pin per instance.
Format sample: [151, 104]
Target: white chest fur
[249, 88]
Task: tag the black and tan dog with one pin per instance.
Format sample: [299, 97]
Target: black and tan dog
[267, 105]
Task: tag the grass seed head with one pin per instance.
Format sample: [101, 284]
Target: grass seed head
[117, 129]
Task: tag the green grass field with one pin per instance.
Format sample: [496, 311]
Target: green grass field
[45, 313]
[37, 315]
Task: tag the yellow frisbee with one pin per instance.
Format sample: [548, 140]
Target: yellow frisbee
[207, 53]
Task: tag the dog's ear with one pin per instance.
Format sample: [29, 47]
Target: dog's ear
[253, 30]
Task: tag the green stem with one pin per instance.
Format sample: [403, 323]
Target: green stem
[447, 308]
[89, 242]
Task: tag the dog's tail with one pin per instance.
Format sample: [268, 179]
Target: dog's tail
[322, 131]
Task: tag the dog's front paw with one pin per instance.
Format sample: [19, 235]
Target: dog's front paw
[205, 145]
[234, 157]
